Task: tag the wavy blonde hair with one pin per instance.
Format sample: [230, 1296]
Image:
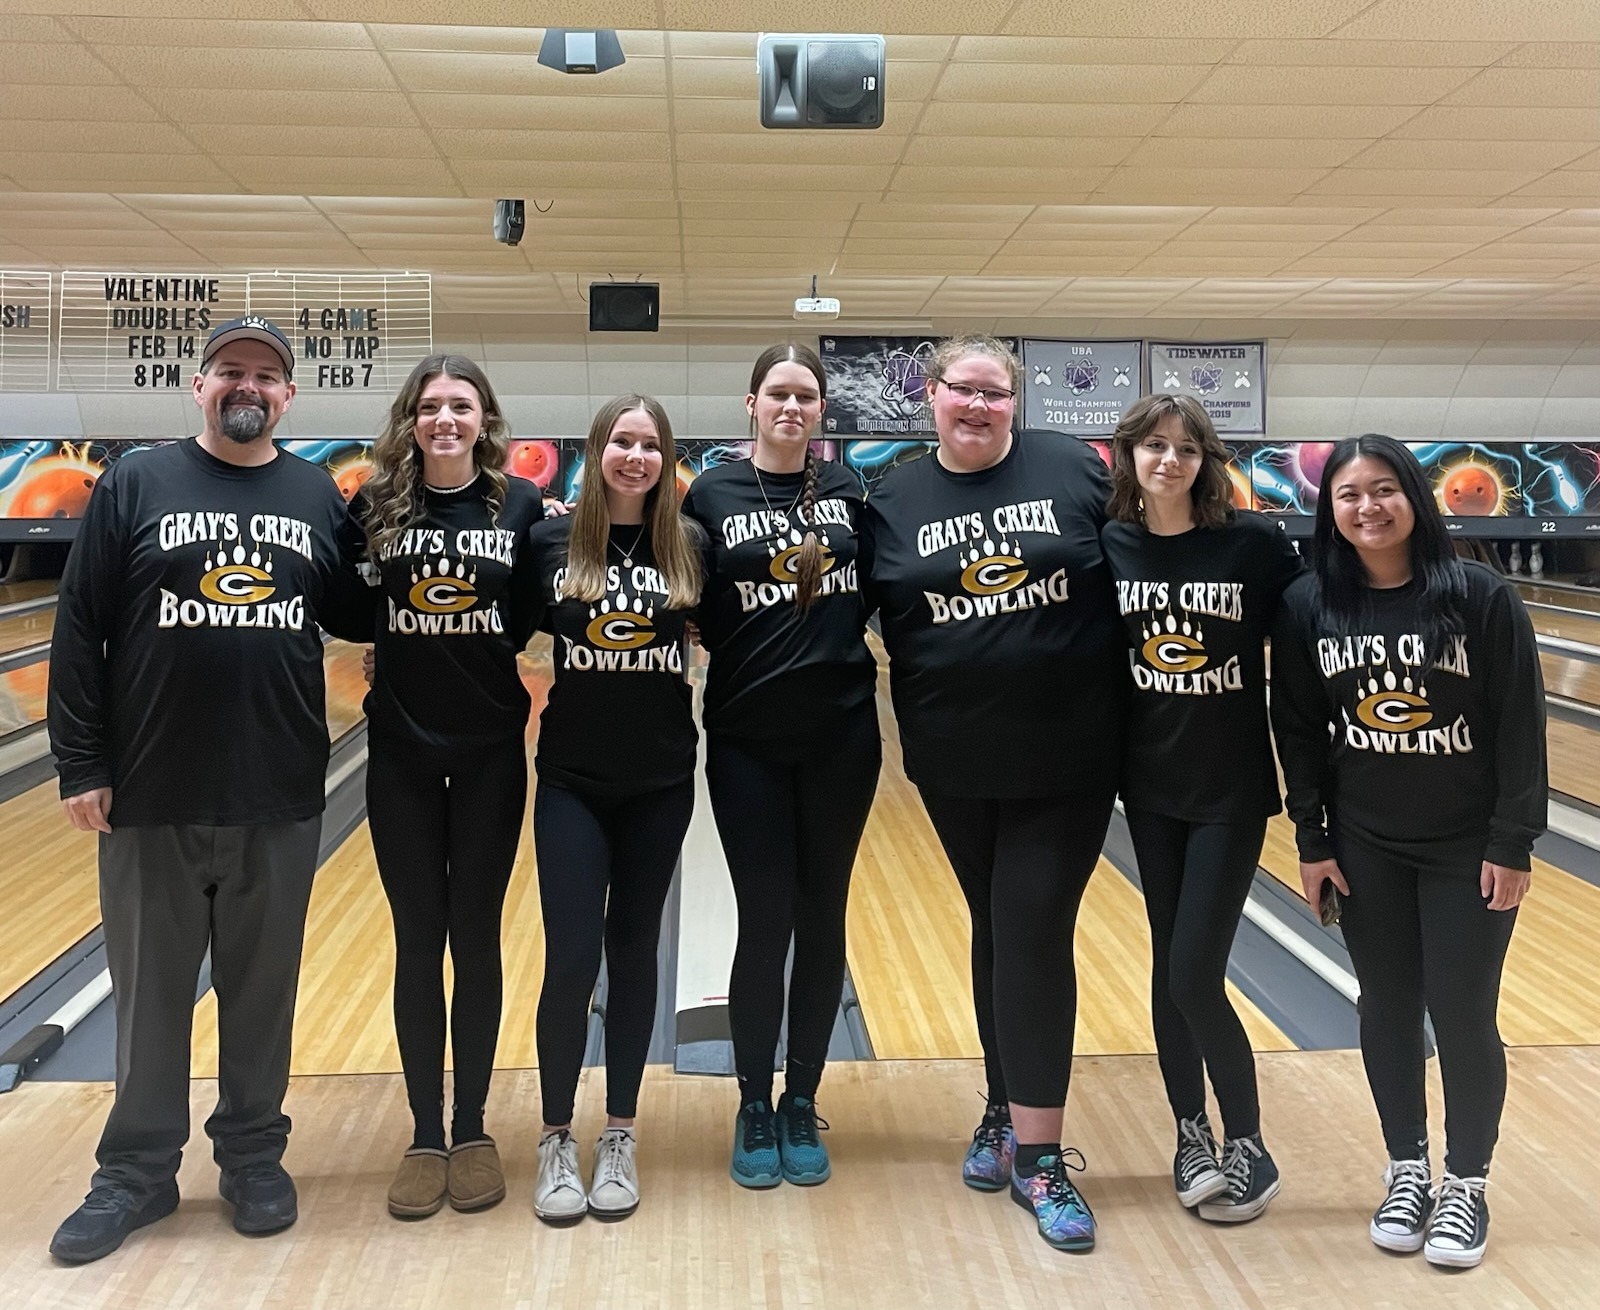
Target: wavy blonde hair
[394, 491]
[672, 537]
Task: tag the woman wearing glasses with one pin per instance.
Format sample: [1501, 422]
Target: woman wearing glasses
[1009, 684]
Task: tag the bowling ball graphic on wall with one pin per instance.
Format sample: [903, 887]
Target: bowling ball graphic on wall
[537, 461]
[54, 488]
[351, 477]
[1470, 491]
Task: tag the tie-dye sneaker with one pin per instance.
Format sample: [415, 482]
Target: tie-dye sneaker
[994, 1146]
[1064, 1218]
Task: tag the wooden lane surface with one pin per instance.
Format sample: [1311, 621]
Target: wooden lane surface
[1572, 598]
[1574, 759]
[894, 1215]
[1573, 627]
[909, 941]
[1550, 994]
[1569, 676]
[21, 630]
[49, 885]
[12, 593]
[344, 1022]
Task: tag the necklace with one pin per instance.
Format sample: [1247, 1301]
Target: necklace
[762, 488]
[627, 555]
[450, 491]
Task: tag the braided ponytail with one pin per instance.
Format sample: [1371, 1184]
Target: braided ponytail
[808, 563]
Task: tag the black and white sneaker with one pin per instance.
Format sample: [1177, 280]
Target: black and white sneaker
[1460, 1228]
[1195, 1174]
[1400, 1221]
[1252, 1182]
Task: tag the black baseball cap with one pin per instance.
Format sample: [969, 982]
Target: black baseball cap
[252, 327]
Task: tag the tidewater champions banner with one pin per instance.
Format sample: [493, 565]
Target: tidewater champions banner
[1228, 377]
[1077, 387]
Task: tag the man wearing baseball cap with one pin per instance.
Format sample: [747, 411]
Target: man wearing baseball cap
[187, 719]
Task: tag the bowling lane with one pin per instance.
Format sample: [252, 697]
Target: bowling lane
[1573, 752]
[1570, 627]
[1550, 995]
[909, 941]
[21, 630]
[1572, 598]
[12, 593]
[49, 892]
[1576, 679]
[344, 1022]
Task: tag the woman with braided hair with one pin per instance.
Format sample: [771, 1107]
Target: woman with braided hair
[792, 747]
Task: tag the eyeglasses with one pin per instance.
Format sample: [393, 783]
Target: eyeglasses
[992, 396]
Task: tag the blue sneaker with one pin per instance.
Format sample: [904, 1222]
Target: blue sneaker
[755, 1148]
[805, 1158]
[994, 1146]
[1064, 1218]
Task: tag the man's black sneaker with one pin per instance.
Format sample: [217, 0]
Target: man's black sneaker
[262, 1196]
[108, 1214]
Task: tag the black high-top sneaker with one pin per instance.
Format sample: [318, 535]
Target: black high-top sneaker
[1399, 1222]
[1460, 1228]
[1195, 1173]
[1252, 1182]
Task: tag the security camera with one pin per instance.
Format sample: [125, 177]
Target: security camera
[509, 221]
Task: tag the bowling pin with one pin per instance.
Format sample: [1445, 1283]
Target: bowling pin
[12, 466]
[1515, 562]
[1536, 561]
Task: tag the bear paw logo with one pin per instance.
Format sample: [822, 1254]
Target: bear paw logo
[621, 624]
[444, 590]
[1173, 647]
[232, 580]
[991, 570]
[1392, 705]
[785, 552]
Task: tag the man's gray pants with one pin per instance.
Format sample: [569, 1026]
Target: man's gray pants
[167, 894]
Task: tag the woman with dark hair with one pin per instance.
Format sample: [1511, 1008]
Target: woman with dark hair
[447, 774]
[616, 761]
[984, 563]
[792, 748]
[1198, 583]
[1409, 712]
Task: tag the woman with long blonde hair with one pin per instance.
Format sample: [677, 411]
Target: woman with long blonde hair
[617, 744]
[446, 767]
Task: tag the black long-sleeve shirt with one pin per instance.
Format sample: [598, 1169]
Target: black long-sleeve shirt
[186, 665]
[619, 718]
[459, 597]
[1006, 658]
[1197, 608]
[778, 675]
[1444, 770]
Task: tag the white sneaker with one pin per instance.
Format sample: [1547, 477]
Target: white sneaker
[614, 1192]
[559, 1192]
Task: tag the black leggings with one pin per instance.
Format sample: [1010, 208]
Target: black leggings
[444, 831]
[1196, 877]
[790, 830]
[1423, 939]
[605, 866]
[1023, 866]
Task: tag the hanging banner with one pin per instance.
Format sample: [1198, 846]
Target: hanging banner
[1228, 377]
[877, 385]
[25, 322]
[139, 331]
[1078, 387]
[350, 331]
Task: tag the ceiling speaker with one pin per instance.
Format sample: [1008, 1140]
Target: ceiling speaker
[624, 307]
[821, 81]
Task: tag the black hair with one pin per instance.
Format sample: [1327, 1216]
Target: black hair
[1435, 568]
